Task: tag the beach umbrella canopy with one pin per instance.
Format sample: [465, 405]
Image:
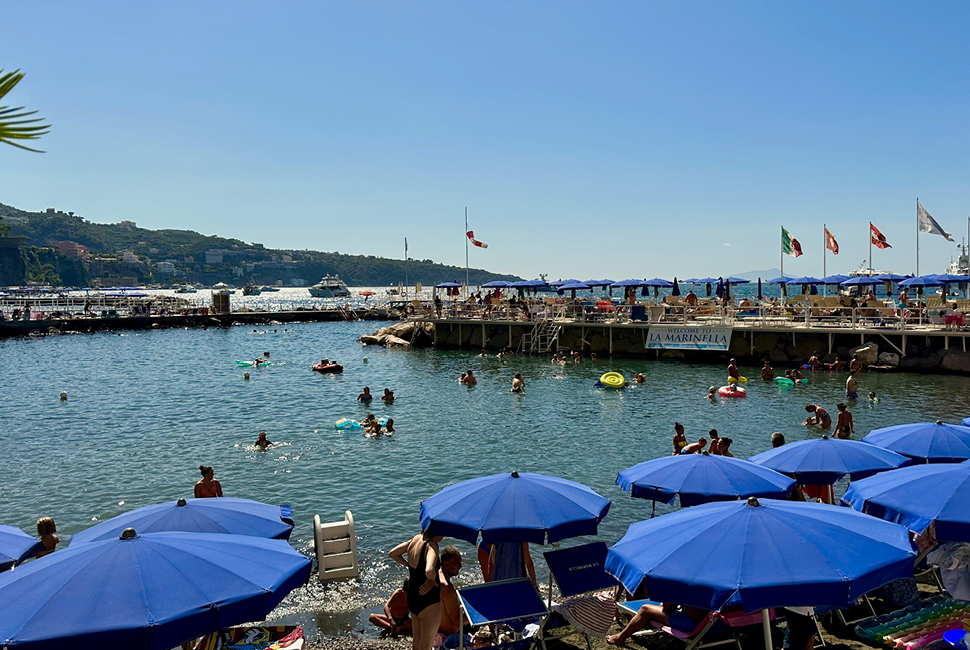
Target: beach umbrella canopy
[861, 281]
[675, 290]
[700, 478]
[598, 283]
[834, 279]
[965, 422]
[153, 591]
[891, 277]
[824, 461]
[705, 280]
[628, 283]
[933, 441]
[226, 515]
[781, 279]
[448, 285]
[14, 545]
[558, 283]
[497, 284]
[659, 283]
[691, 281]
[514, 508]
[804, 280]
[769, 554]
[733, 280]
[917, 497]
[529, 284]
[921, 282]
[573, 286]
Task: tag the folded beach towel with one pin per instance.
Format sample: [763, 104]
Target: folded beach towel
[592, 614]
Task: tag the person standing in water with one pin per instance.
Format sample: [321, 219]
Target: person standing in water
[365, 397]
[733, 371]
[852, 386]
[843, 426]
[518, 384]
[208, 486]
[680, 440]
[262, 442]
[47, 531]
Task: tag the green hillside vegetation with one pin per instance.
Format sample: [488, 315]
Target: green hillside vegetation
[188, 248]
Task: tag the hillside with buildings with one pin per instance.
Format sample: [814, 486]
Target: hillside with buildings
[57, 245]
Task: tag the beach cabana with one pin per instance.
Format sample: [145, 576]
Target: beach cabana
[917, 497]
[153, 591]
[225, 515]
[934, 442]
[514, 508]
[702, 478]
[769, 554]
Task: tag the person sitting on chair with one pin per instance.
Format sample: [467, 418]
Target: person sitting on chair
[685, 619]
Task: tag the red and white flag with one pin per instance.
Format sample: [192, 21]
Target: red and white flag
[878, 239]
[471, 236]
[830, 242]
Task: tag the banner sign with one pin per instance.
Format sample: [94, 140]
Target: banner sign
[688, 338]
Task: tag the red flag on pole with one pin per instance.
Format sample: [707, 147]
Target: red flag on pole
[878, 239]
[471, 237]
[830, 242]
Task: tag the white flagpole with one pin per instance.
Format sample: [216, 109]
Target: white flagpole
[405, 268]
[917, 236]
[825, 244]
[782, 256]
[870, 249]
[466, 251]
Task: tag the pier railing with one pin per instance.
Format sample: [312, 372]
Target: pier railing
[943, 315]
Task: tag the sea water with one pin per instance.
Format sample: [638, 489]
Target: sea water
[145, 409]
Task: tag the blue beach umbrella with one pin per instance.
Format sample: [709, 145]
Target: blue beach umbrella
[805, 279]
[659, 283]
[559, 283]
[781, 279]
[226, 515]
[824, 461]
[514, 508]
[628, 283]
[920, 282]
[834, 279]
[14, 545]
[891, 277]
[917, 497]
[448, 285]
[700, 478]
[965, 422]
[768, 554]
[155, 591]
[707, 280]
[497, 284]
[675, 290]
[733, 280]
[860, 281]
[691, 281]
[935, 442]
[598, 283]
[529, 284]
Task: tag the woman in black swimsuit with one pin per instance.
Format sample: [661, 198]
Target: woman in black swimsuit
[424, 586]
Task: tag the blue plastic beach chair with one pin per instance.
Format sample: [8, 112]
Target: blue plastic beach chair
[591, 591]
[502, 601]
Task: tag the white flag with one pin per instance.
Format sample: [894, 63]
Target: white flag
[928, 224]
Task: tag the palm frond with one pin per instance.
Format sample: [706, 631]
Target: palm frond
[13, 126]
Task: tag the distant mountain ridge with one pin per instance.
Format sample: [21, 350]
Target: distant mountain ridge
[197, 257]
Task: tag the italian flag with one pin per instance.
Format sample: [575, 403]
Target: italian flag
[789, 245]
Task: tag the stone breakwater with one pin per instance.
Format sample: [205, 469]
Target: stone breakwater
[887, 350]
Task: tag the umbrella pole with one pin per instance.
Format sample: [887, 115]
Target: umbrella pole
[766, 627]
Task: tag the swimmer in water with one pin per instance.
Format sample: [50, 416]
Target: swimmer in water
[483, 353]
[844, 426]
[873, 398]
[365, 397]
[262, 442]
[640, 378]
[518, 384]
[48, 536]
[470, 379]
[733, 371]
[680, 440]
[796, 374]
[389, 427]
[712, 393]
[819, 417]
[788, 375]
[767, 372]
[592, 358]
[463, 378]
[388, 397]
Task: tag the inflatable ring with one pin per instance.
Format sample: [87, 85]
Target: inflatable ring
[739, 380]
[784, 381]
[732, 391]
[613, 380]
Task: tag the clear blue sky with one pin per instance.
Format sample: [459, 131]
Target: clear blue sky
[618, 139]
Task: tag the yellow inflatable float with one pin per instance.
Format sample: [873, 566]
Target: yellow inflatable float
[737, 380]
[613, 380]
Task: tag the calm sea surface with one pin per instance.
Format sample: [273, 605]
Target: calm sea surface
[146, 408]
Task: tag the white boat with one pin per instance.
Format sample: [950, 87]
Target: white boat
[186, 289]
[251, 290]
[269, 289]
[329, 287]
[865, 272]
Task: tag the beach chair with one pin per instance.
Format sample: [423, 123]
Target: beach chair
[591, 592]
[695, 638]
[934, 302]
[503, 601]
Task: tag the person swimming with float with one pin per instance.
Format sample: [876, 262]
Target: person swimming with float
[733, 371]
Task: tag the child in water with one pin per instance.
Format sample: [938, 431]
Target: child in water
[712, 393]
[48, 536]
[873, 398]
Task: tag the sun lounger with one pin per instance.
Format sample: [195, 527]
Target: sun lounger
[694, 638]
[502, 601]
